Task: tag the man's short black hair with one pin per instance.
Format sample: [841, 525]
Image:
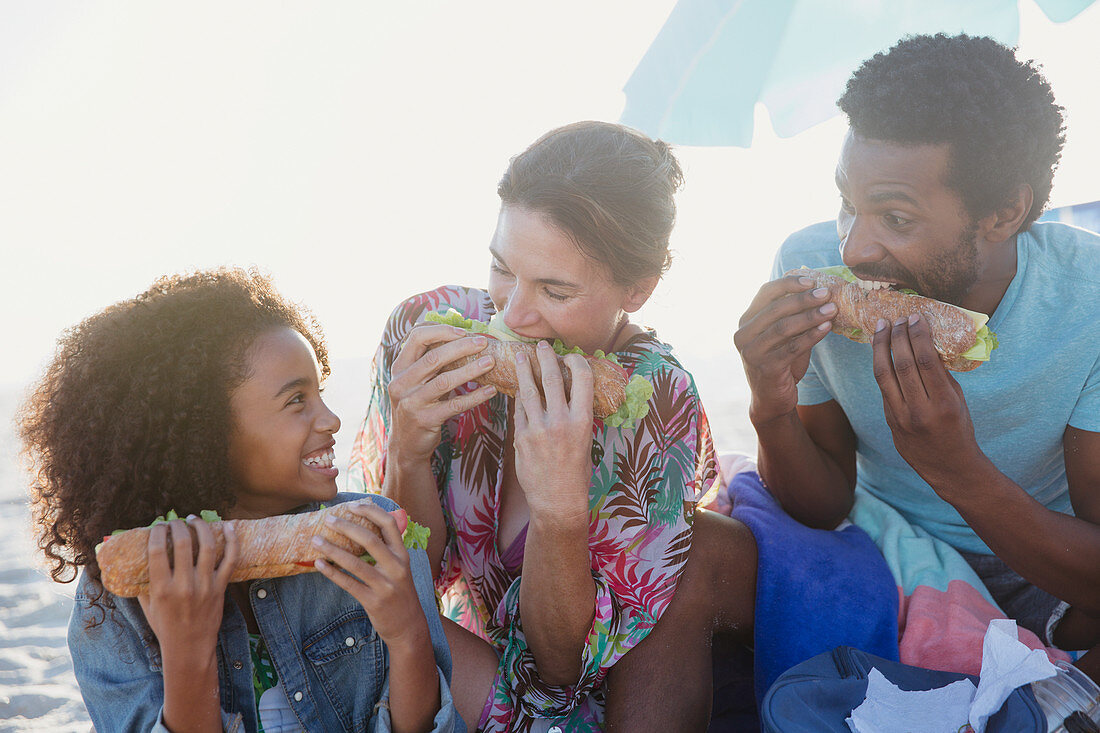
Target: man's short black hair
[997, 113]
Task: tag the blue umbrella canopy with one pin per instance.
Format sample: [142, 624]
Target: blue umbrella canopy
[715, 59]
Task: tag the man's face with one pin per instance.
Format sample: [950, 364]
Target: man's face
[900, 223]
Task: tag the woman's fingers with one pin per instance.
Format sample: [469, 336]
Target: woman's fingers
[527, 393]
[553, 383]
[423, 337]
[583, 385]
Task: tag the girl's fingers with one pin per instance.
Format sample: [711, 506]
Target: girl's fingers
[181, 546]
[229, 557]
[208, 546]
[359, 568]
[159, 569]
[354, 587]
[384, 521]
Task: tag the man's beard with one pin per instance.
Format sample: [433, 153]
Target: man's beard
[948, 275]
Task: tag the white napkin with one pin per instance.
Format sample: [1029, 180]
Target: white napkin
[1006, 664]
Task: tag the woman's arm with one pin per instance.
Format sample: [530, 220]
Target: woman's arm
[554, 467]
[422, 395]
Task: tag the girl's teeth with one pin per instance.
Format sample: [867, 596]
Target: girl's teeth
[324, 460]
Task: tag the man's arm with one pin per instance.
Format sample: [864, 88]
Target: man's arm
[806, 454]
[807, 458]
[933, 432]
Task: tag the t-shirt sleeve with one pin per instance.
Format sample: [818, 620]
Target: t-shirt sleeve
[644, 491]
[1086, 413]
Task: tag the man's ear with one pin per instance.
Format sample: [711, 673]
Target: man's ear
[638, 293]
[1007, 219]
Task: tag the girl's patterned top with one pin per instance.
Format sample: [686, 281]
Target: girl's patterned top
[264, 676]
[645, 485]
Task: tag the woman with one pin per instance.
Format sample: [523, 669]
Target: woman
[596, 520]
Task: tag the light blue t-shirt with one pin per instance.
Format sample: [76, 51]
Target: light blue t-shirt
[1044, 376]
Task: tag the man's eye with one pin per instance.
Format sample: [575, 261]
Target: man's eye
[895, 221]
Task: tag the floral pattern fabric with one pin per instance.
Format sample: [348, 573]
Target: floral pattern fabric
[646, 483]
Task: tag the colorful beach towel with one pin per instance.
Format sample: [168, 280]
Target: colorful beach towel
[879, 584]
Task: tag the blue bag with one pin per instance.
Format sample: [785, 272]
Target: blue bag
[820, 693]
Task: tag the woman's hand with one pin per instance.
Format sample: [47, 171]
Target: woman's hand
[185, 600]
[388, 595]
[184, 607]
[422, 391]
[553, 441]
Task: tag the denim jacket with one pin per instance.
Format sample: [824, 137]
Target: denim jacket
[329, 658]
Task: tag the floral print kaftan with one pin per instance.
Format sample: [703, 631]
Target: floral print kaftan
[646, 482]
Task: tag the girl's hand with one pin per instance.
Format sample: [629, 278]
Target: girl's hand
[554, 440]
[385, 589]
[185, 600]
[422, 393]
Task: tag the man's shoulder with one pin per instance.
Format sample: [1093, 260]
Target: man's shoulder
[814, 246]
[1069, 254]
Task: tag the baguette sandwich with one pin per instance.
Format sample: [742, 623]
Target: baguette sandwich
[271, 547]
[617, 401]
[961, 336]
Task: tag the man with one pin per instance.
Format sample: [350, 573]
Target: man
[946, 167]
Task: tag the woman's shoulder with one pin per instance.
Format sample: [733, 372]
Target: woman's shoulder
[470, 302]
[648, 355]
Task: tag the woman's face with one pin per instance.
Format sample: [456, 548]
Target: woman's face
[546, 288]
[281, 441]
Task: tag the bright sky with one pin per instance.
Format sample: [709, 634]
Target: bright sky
[353, 152]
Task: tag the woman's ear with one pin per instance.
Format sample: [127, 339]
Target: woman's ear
[1007, 219]
[638, 293]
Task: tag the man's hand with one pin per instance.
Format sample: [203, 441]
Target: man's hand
[775, 336]
[924, 405]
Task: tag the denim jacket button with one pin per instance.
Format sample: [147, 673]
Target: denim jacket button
[261, 594]
[350, 641]
[238, 664]
[555, 729]
[298, 698]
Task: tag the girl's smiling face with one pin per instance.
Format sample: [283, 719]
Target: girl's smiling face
[281, 442]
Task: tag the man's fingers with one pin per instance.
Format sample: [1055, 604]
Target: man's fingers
[937, 382]
[883, 366]
[772, 291]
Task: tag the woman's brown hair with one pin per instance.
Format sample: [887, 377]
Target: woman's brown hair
[608, 187]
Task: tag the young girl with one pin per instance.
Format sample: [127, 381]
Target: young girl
[204, 392]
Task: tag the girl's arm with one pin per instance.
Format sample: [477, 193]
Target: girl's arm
[389, 596]
[184, 609]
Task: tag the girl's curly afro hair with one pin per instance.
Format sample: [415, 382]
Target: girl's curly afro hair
[132, 417]
[996, 112]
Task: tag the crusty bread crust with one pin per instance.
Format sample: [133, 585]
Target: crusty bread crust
[859, 310]
[271, 547]
[608, 378]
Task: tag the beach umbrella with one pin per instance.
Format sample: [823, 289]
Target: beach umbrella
[715, 59]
